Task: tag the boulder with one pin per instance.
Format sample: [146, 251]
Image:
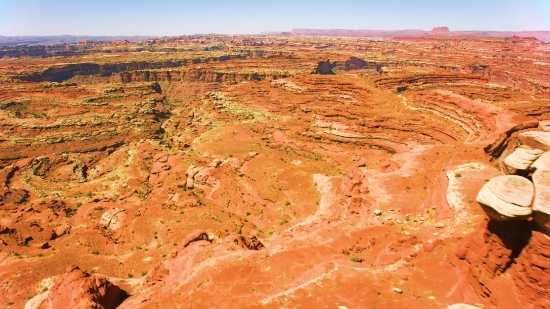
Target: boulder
[521, 159]
[541, 202]
[507, 197]
[536, 139]
[77, 289]
[60, 230]
[542, 163]
[324, 67]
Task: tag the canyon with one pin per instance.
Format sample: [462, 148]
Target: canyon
[276, 171]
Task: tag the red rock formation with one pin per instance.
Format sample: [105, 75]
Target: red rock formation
[532, 272]
[355, 188]
[354, 64]
[490, 253]
[505, 257]
[324, 67]
[80, 290]
[250, 242]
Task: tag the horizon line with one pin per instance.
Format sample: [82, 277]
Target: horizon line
[261, 33]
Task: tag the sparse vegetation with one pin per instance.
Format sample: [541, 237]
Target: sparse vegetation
[355, 259]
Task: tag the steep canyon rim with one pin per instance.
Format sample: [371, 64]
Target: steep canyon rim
[266, 171]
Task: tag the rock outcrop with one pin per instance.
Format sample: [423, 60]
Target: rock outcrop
[521, 247]
[324, 67]
[506, 197]
[532, 272]
[112, 218]
[79, 290]
[63, 72]
[191, 172]
[541, 203]
[542, 163]
[250, 242]
[355, 188]
[536, 139]
[354, 63]
[521, 159]
[488, 253]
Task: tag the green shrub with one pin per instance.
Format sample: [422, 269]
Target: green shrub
[355, 259]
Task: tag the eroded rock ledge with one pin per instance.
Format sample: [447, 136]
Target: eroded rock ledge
[508, 258]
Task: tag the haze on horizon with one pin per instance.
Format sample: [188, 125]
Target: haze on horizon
[172, 17]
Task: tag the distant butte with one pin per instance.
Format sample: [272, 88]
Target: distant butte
[440, 30]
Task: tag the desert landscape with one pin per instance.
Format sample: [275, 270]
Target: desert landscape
[276, 171]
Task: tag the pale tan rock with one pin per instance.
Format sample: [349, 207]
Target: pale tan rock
[541, 202]
[521, 159]
[112, 218]
[252, 154]
[541, 181]
[542, 163]
[190, 183]
[536, 139]
[215, 163]
[545, 125]
[191, 172]
[398, 290]
[507, 197]
[202, 176]
[462, 306]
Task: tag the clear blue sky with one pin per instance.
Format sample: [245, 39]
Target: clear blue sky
[173, 17]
